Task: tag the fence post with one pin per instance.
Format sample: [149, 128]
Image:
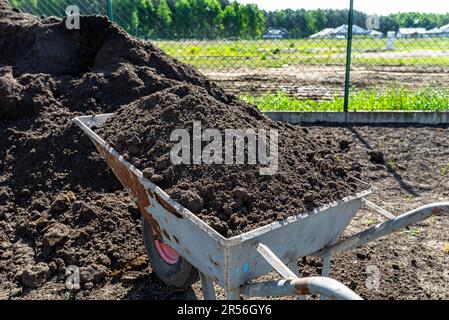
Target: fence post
[110, 14]
[348, 55]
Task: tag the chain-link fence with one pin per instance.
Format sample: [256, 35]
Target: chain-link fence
[303, 53]
[58, 8]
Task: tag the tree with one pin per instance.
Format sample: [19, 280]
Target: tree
[387, 23]
[182, 22]
[231, 20]
[320, 20]
[135, 22]
[146, 14]
[211, 19]
[164, 17]
[253, 21]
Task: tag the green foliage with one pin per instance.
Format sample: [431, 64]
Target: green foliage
[396, 98]
[217, 19]
[444, 170]
[164, 17]
[135, 20]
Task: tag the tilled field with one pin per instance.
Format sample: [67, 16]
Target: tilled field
[324, 82]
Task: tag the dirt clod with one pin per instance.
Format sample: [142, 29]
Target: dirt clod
[62, 202]
[36, 275]
[148, 173]
[192, 201]
[94, 273]
[156, 178]
[376, 157]
[344, 144]
[55, 235]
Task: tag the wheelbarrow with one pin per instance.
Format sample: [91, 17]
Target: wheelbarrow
[183, 249]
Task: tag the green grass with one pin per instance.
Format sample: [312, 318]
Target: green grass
[281, 53]
[396, 98]
[411, 232]
[444, 170]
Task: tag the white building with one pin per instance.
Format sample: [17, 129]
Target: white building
[275, 33]
[341, 32]
[376, 34]
[325, 33]
[439, 32]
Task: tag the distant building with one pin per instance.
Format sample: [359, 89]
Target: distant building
[376, 34]
[445, 30]
[325, 33]
[275, 33]
[412, 33]
[341, 32]
[434, 32]
[439, 32]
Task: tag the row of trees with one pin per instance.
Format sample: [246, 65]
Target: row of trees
[302, 23]
[182, 19]
[212, 19]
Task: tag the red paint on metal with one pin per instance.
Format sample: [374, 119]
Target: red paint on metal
[167, 206]
[437, 211]
[302, 287]
[142, 197]
[131, 182]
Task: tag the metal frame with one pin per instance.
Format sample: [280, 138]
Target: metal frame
[348, 57]
[233, 263]
[109, 9]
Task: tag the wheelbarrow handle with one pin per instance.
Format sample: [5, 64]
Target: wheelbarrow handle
[293, 285]
[322, 286]
[385, 228]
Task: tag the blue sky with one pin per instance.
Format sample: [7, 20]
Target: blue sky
[368, 6]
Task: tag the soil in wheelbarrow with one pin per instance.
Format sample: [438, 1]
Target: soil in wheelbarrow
[232, 198]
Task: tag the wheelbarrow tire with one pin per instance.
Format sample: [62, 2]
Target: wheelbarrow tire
[180, 275]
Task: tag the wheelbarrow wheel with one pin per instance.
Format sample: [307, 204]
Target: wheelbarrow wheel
[171, 268]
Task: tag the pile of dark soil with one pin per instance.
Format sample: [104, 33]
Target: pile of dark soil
[96, 68]
[230, 198]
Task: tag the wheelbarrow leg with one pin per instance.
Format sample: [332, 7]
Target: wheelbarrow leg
[326, 266]
[294, 286]
[208, 287]
[294, 267]
[326, 270]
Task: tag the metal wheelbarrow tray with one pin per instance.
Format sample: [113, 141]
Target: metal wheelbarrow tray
[233, 263]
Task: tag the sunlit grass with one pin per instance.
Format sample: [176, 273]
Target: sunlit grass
[284, 53]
